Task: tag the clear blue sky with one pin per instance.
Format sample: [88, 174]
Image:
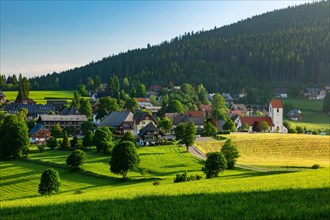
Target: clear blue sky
[39, 37]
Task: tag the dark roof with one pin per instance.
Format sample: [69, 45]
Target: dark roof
[198, 121]
[294, 112]
[139, 117]
[241, 107]
[149, 127]
[37, 127]
[250, 120]
[33, 109]
[115, 119]
[63, 118]
[243, 92]
[280, 91]
[220, 124]
[181, 118]
[70, 111]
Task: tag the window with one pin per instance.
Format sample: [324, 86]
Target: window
[278, 110]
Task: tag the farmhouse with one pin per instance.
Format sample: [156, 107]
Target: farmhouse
[295, 115]
[57, 103]
[142, 120]
[149, 135]
[121, 121]
[64, 121]
[274, 119]
[280, 93]
[34, 110]
[155, 90]
[39, 134]
[242, 94]
[314, 93]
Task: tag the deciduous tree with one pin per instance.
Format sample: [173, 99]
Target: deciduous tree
[49, 182]
[214, 164]
[231, 153]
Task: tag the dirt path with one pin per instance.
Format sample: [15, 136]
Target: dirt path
[194, 151]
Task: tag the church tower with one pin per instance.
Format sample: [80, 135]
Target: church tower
[276, 114]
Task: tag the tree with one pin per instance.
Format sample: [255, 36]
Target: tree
[81, 89]
[252, 96]
[14, 138]
[256, 126]
[264, 126]
[52, 143]
[86, 126]
[229, 125]
[128, 136]
[22, 113]
[165, 124]
[124, 158]
[175, 106]
[231, 153]
[56, 131]
[326, 103]
[86, 108]
[202, 95]
[49, 182]
[90, 83]
[209, 129]
[65, 145]
[75, 142]
[76, 159]
[106, 106]
[101, 138]
[88, 139]
[245, 127]
[23, 89]
[219, 110]
[131, 104]
[185, 134]
[114, 86]
[75, 100]
[214, 164]
[140, 90]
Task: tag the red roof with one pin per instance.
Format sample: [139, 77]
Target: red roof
[142, 99]
[205, 107]
[276, 103]
[250, 120]
[195, 114]
[237, 112]
[155, 88]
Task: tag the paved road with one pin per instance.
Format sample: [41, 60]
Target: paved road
[194, 151]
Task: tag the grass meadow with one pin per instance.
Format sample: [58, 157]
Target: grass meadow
[314, 118]
[39, 96]
[235, 194]
[276, 150]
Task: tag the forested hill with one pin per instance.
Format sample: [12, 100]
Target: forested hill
[283, 47]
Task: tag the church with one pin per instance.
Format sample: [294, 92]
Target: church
[274, 119]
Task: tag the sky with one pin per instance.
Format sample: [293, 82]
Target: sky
[40, 37]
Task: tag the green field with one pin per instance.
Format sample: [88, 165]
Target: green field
[314, 117]
[236, 194]
[39, 96]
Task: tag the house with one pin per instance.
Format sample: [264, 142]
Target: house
[327, 87]
[242, 94]
[229, 100]
[57, 103]
[121, 121]
[155, 90]
[64, 121]
[34, 110]
[238, 109]
[295, 115]
[152, 109]
[142, 120]
[314, 93]
[2, 97]
[280, 93]
[198, 118]
[39, 134]
[143, 102]
[70, 111]
[149, 135]
[205, 108]
[274, 119]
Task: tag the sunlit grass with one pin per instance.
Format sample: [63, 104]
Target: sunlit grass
[39, 96]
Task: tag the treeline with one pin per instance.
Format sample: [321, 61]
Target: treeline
[279, 48]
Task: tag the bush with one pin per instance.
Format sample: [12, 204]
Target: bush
[292, 131]
[108, 148]
[52, 143]
[315, 132]
[76, 159]
[316, 166]
[41, 148]
[49, 182]
[156, 183]
[184, 178]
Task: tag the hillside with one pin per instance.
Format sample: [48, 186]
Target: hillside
[279, 48]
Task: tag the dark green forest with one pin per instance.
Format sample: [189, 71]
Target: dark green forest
[281, 48]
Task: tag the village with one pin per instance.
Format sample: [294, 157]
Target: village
[150, 119]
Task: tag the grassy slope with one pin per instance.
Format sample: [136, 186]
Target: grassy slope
[314, 117]
[235, 194]
[277, 149]
[39, 96]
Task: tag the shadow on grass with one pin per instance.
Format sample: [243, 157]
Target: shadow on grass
[277, 204]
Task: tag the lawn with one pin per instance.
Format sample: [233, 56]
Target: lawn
[39, 96]
[278, 150]
[235, 194]
[314, 118]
